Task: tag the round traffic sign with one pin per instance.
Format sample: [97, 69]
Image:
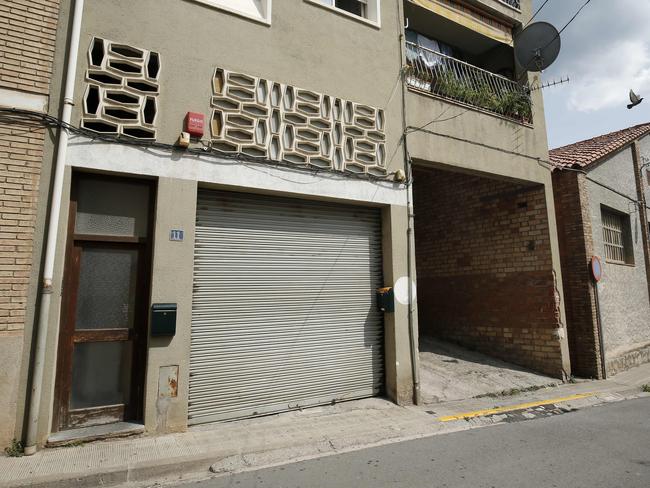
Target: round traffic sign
[596, 268]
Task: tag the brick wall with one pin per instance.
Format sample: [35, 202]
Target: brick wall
[576, 248]
[484, 267]
[21, 151]
[27, 41]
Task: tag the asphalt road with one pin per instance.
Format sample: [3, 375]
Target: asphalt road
[607, 446]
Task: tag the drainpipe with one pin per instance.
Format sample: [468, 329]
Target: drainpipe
[410, 245]
[415, 357]
[601, 338]
[637, 161]
[52, 228]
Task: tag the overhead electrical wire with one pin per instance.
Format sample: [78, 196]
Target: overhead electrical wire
[574, 17]
[568, 23]
[537, 12]
[437, 120]
[31, 119]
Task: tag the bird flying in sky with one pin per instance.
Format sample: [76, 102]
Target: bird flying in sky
[635, 99]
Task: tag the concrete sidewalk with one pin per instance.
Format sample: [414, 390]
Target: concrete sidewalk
[298, 435]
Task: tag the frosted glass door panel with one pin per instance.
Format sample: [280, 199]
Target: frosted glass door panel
[107, 288]
[101, 374]
[112, 208]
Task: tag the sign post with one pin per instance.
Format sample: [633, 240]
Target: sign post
[596, 267]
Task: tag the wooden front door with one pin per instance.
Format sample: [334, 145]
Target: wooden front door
[103, 332]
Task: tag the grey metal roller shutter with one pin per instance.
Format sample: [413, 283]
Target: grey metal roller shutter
[283, 311]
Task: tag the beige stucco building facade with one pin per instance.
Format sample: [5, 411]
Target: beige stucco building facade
[315, 75]
[234, 273]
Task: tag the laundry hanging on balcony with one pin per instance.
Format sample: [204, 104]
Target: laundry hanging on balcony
[429, 56]
[471, 18]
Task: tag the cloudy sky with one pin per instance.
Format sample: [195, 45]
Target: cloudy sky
[605, 52]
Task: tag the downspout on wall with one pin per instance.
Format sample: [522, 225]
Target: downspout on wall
[643, 209]
[410, 238]
[31, 438]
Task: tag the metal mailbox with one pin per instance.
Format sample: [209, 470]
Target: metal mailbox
[163, 320]
[386, 299]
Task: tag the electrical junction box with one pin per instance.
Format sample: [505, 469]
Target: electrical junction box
[194, 124]
[163, 320]
[386, 299]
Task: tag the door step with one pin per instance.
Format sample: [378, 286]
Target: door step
[94, 433]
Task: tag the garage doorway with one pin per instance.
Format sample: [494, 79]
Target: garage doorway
[487, 298]
[284, 311]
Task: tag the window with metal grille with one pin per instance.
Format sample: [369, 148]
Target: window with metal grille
[360, 9]
[616, 237]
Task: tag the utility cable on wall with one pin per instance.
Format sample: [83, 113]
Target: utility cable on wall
[542, 162]
[36, 119]
[607, 187]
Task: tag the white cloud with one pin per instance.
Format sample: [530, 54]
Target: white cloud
[602, 79]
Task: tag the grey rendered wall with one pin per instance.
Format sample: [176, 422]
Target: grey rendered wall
[306, 45]
[171, 283]
[623, 291]
[478, 141]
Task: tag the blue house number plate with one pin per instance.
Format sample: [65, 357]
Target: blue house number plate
[176, 235]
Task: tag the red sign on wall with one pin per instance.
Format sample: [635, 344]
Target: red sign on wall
[194, 123]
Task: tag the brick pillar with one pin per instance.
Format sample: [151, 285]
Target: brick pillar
[576, 248]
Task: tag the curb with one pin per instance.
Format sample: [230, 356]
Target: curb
[212, 465]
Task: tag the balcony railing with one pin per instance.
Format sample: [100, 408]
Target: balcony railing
[516, 4]
[433, 72]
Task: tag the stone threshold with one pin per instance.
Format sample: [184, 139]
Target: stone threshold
[94, 433]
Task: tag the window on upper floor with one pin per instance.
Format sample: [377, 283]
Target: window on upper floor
[356, 7]
[365, 9]
[255, 9]
[617, 237]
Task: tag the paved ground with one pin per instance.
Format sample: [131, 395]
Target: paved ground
[233, 447]
[601, 447]
[449, 372]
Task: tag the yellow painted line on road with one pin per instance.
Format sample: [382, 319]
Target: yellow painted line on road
[511, 408]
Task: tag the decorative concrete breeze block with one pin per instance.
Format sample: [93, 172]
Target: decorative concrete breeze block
[121, 95]
[271, 120]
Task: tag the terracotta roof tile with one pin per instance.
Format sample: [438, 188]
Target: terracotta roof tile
[584, 153]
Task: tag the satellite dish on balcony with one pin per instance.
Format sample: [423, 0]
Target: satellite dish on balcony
[537, 46]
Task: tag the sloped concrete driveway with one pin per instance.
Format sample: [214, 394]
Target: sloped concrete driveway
[449, 372]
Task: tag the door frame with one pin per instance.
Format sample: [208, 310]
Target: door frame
[63, 417]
